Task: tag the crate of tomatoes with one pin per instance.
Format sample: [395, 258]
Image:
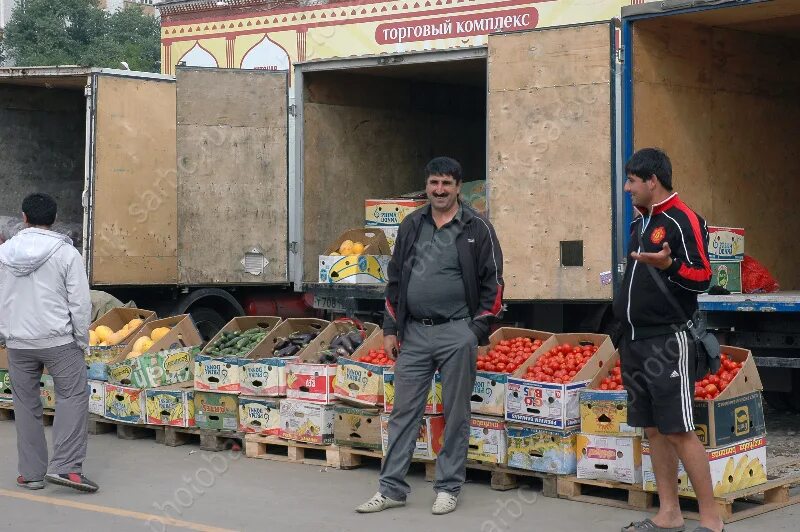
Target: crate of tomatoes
[509, 348]
[728, 407]
[359, 377]
[544, 389]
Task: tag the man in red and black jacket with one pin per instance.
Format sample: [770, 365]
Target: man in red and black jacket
[445, 285]
[656, 351]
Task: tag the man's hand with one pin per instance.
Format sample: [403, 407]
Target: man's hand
[661, 260]
[390, 346]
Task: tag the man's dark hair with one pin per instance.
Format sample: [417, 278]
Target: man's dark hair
[443, 166]
[40, 209]
[648, 162]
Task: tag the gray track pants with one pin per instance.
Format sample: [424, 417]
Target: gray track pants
[67, 367]
[452, 349]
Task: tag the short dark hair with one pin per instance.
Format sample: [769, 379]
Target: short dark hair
[648, 162]
[443, 166]
[40, 209]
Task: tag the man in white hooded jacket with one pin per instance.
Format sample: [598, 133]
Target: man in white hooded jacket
[45, 310]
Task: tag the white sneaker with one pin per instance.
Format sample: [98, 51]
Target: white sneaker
[444, 503]
[378, 503]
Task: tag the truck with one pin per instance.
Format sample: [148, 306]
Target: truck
[104, 143]
[545, 115]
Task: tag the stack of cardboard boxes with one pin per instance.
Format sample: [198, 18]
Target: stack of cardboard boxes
[387, 214]
[726, 253]
[544, 418]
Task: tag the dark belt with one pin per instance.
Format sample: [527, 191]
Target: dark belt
[430, 322]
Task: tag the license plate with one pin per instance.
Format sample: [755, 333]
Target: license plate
[328, 303]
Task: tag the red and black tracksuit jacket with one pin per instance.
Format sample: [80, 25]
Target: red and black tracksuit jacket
[639, 303]
[481, 261]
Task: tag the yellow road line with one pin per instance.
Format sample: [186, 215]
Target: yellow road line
[167, 521]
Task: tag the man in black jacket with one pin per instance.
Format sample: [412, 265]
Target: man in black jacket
[657, 352]
[445, 284]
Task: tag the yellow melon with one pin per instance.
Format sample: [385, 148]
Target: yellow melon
[133, 354]
[93, 340]
[346, 248]
[159, 333]
[135, 322]
[142, 344]
[103, 333]
[358, 248]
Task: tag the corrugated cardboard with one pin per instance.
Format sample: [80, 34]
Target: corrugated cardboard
[357, 382]
[429, 441]
[97, 397]
[307, 422]
[218, 411]
[610, 458]
[488, 441]
[260, 415]
[725, 243]
[605, 412]
[544, 450]
[390, 211]
[171, 405]
[357, 427]
[98, 357]
[367, 268]
[433, 405]
[125, 404]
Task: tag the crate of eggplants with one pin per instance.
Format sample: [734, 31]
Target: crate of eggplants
[293, 344]
[342, 345]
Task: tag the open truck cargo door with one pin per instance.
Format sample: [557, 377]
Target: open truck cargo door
[550, 160]
[232, 140]
[133, 236]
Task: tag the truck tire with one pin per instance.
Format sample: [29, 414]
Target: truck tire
[208, 321]
[777, 400]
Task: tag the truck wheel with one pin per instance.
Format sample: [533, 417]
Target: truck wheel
[777, 400]
[208, 321]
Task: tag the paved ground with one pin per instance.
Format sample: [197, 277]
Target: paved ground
[142, 482]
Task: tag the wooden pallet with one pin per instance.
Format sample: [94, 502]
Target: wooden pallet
[7, 413]
[125, 431]
[732, 506]
[506, 478]
[177, 436]
[215, 440]
[280, 450]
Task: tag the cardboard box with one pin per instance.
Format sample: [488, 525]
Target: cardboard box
[433, 405]
[391, 234]
[309, 381]
[734, 467]
[429, 441]
[725, 243]
[605, 412]
[5, 385]
[97, 397]
[99, 357]
[217, 411]
[264, 375]
[357, 427]
[260, 415]
[473, 193]
[368, 268]
[307, 422]
[554, 405]
[727, 274]
[545, 450]
[737, 413]
[168, 361]
[171, 405]
[361, 383]
[489, 394]
[488, 441]
[223, 374]
[48, 391]
[610, 458]
[124, 403]
[391, 211]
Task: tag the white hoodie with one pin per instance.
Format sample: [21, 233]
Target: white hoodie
[44, 292]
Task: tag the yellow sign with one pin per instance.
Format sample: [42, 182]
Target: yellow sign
[274, 39]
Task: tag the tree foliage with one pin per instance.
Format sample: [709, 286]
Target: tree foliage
[78, 32]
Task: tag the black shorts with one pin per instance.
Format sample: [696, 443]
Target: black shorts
[659, 374]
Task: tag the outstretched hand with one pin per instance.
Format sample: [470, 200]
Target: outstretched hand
[661, 260]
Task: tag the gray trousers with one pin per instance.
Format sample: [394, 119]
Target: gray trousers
[452, 349]
[67, 366]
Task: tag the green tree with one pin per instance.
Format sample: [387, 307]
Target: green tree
[78, 32]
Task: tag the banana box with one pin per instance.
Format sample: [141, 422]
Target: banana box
[98, 357]
[360, 383]
[307, 422]
[429, 441]
[263, 374]
[124, 403]
[97, 397]
[554, 405]
[171, 405]
[168, 361]
[357, 427]
[368, 268]
[488, 441]
[391, 211]
[217, 411]
[432, 406]
[735, 467]
[489, 393]
[47, 391]
[610, 458]
[260, 415]
[391, 234]
[5, 385]
[310, 382]
[545, 450]
[725, 243]
[217, 374]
